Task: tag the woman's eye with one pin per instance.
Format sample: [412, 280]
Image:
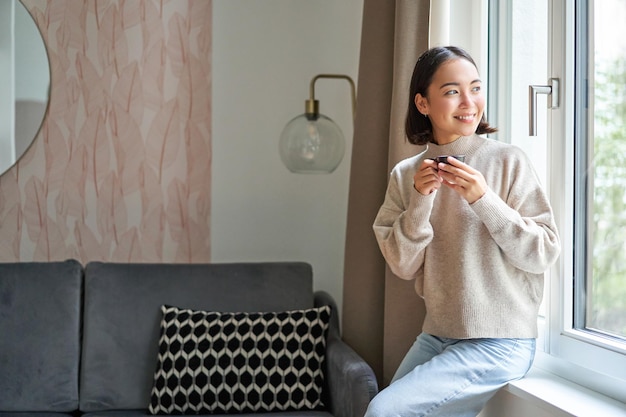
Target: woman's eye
[451, 92]
[476, 89]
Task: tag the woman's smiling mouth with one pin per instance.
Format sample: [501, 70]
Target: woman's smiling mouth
[467, 118]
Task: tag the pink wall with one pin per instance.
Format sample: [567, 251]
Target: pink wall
[121, 169]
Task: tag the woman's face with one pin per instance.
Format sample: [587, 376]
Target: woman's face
[454, 102]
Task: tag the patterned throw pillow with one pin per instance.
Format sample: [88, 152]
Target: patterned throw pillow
[212, 362]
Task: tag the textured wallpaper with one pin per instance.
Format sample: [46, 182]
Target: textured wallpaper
[121, 169]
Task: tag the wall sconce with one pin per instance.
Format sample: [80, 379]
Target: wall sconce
[312, 143]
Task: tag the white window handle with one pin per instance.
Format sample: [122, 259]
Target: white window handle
[552, 89]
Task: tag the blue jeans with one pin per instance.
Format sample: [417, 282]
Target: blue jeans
[452, 377]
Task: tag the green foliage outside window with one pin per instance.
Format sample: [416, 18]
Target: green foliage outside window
[606, 307]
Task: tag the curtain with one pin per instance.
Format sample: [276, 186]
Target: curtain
[382, 314]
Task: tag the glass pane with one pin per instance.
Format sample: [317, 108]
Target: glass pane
[606, 182]
[518, 54]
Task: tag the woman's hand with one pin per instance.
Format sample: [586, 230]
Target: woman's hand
[463, 179]
[427, 179]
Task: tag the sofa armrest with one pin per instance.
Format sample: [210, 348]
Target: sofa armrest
[351, 381]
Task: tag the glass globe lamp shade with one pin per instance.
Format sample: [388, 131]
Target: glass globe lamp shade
[311, 145]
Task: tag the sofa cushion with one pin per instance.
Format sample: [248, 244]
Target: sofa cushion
[122, 316]
[239, 362]
[40, 307]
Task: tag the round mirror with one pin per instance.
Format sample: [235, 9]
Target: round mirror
[24, 91]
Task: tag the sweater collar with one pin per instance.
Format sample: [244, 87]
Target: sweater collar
[462, 146]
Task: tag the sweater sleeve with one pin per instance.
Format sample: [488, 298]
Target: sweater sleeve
[402, 227]
[520, 220]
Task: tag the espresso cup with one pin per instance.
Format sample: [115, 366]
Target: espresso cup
[444, 158]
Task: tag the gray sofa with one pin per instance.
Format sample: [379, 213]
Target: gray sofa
[80, 340]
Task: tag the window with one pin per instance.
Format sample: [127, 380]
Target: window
[580, 154]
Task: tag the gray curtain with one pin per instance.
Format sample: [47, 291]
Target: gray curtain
[382, 315]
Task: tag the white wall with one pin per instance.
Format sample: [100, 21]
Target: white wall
[264, 56]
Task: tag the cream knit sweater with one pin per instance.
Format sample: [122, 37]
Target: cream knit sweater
[479, 267]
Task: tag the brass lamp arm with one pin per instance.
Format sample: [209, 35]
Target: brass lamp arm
[312, 105]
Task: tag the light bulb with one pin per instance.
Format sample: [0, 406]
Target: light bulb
[311, 143]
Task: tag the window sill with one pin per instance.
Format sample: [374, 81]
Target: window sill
[561, 397]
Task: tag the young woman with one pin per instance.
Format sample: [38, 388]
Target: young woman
[475, 236]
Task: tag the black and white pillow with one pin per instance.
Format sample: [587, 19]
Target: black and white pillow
[216, 362]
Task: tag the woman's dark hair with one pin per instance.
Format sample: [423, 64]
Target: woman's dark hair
[419, 129]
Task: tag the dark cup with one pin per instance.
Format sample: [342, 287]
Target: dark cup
[444, 158]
